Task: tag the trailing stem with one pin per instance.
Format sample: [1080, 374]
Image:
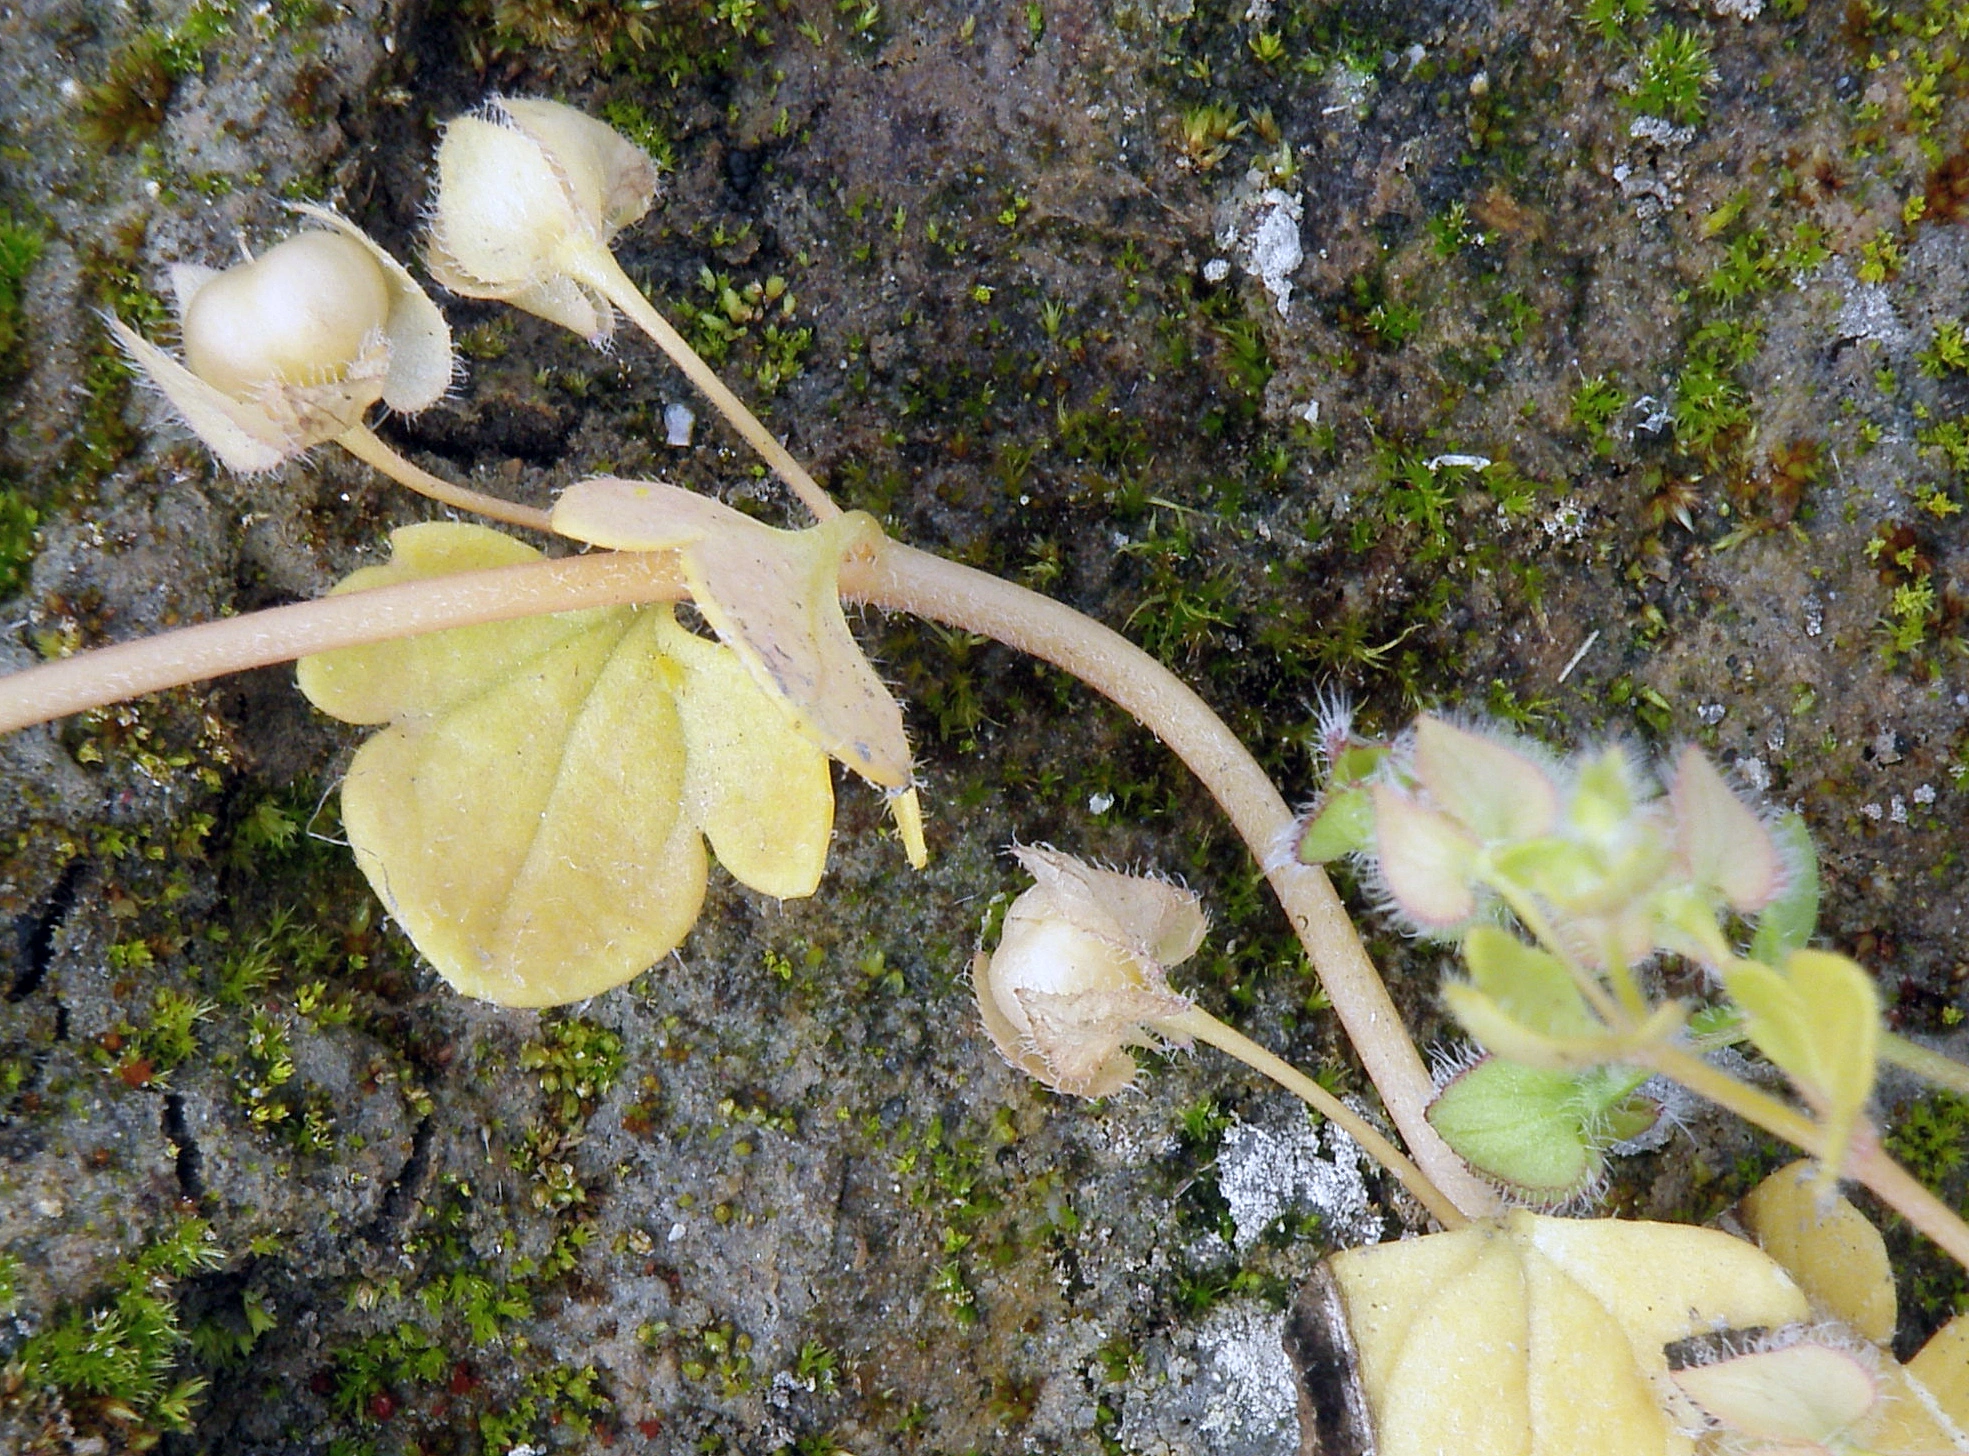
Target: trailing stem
[901, 579]
[281, 634]
[1864, 1160]
[908, 580]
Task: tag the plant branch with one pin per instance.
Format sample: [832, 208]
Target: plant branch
[1864, 1161]
[280, 634]
[902, 578]
[362, 444]
[1931, 1066]
[604, 273]
[1200, 1024]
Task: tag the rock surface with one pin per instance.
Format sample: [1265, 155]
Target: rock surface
[778, 1193]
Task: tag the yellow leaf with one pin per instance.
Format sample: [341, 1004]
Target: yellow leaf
[530, 838]
[1818, 1020]
[533, 816]
[773, 597]
[759, 789]
[1942, 1368]
[1830, 1247]
[412, 675]
[1808, 1393]
[1540, 1336]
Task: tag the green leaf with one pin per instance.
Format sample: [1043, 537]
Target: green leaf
[1344, 824]
[1788, 921]
[1499, 1032]
[1520, 1126]
[1531, 986]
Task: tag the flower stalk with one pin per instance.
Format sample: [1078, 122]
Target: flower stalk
[362, 443]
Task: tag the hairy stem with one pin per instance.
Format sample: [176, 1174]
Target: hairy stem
[605, 273]
[904, 579]
[280, 634]
[1864, 1160]
[372, 452]
[1200, 1024]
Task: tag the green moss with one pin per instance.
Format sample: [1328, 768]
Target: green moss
[128, 104]
[578, 1063]
[114, 1361]
[20, 249]
[1930, 1137]
[17, 541]
[1674, 76]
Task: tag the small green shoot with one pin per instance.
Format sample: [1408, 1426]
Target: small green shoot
[1674, 76]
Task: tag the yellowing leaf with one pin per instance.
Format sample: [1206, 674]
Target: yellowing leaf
[1805, 1392]
[1818, 1020]
[1942, 1368]
[1493, 790]
[425, 674]
[530, 838]
[761, 792]
[1426, 859]
[532, 817]
[1534, 1336]
[1721, 840]
[773, 597]
[1910, 1419]
[1830, 1247]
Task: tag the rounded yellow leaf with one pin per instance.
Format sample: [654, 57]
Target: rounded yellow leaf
[1461, 1381]
[1585, 1392]
[531, 839]
[1942, 1368]
[385, 681]
[1832, 1249]
[1544, 1336]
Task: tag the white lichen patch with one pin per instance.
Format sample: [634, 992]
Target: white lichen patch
[1242, 1347]
[1222, 1389]
[1869, 313]
[1265, 1172]
[1259, 226]
[1738, 9]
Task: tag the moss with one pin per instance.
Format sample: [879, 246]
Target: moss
[115, 1362]
[17, 541]
[128, 104]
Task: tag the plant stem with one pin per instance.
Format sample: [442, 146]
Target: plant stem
[1529, 915]
[1200, 1024]
[604, 273]
[902, 578]
[1931, 1066]
[279, 634]
[1864, 1160]
[360, 443]
[899, 578]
